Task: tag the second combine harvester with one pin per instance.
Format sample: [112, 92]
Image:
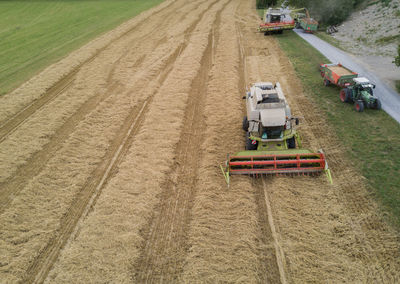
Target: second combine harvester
[273, 145]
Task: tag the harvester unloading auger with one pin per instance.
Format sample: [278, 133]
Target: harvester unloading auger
[303, 20]
[271, 139]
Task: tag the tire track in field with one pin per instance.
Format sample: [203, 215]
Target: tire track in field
[24, 173]
[273, 262]
[170, 102]
[224, 238]
[43, 233]
[165, 246]
[277, 264]
[13, 185]
[38, 271]
[86, 198]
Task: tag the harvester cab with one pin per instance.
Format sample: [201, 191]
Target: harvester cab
[268, 123]
[273, 16]
[273, 145]
[361, 93]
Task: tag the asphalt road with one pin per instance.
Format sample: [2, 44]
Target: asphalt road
[389, 98]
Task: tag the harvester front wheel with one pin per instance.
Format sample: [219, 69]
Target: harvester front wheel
[291, 143]
[245, 124]
[250, 145]
[345, 96]
[359, 106]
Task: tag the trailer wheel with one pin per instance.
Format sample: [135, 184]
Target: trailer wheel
[245, 124]
[345, 95]
[359, 106]
[326, 83]
[291, 143]
[250, 145]
[377, 104]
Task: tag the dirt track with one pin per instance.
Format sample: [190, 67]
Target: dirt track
[109, 168]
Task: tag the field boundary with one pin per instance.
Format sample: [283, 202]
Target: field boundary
[66, 67]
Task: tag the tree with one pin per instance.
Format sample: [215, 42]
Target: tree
[262, 4]
[327, 12]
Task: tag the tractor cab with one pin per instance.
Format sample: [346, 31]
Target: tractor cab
[362, 95]
[363, 84]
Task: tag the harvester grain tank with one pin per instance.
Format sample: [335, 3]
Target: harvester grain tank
[274, 22]
[273, 146]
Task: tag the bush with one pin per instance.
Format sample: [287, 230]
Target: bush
[262, 4]
[329, 12]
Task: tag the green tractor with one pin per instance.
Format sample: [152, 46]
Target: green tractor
[361, 94]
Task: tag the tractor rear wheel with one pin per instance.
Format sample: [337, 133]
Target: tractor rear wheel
[359, 106]
[377, 104]
[345, 95]
[291, 143]
[245, 124]
[250, 144]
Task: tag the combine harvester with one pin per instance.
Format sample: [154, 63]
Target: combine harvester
[357, 90]
[272, 144]
[274, 22]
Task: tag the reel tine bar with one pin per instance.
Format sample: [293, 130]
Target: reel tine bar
[277, 164]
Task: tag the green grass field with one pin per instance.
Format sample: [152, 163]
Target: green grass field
[371, 139]
[34, 34]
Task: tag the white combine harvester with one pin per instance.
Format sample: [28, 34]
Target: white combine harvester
[273, 145]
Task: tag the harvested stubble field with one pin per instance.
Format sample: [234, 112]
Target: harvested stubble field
[109, 170]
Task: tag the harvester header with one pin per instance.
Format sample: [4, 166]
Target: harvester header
[275, 21]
